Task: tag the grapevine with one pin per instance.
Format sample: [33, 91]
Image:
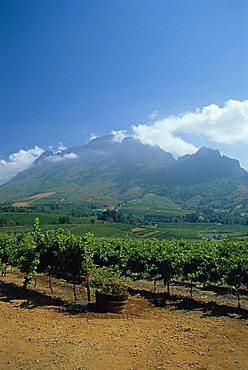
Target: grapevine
[61, 254]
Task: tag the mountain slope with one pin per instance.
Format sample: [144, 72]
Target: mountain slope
[108, 172]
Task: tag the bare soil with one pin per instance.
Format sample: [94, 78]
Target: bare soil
[39, 330]
[29, 200]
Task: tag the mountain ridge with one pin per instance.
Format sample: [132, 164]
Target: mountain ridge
[109, 171]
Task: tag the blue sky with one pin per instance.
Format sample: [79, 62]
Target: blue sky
[78, 68]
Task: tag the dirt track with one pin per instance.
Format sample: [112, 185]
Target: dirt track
[37, 332]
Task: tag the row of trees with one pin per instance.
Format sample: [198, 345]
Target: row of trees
[116, 216]
[65, 255]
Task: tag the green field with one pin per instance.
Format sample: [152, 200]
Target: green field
[152, 203]
[23, 222]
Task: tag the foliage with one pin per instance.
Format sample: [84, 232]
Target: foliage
[116, 216]
[109, 281]
[62, 254]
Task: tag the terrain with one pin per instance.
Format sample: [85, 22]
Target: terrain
[134, 178]
[125, 190]
[20, 222]
[39, 332]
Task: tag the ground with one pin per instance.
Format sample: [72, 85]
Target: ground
[38, 331]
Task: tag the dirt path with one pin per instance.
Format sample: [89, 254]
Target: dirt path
[37, 332]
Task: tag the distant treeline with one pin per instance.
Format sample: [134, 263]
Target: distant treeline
[197, 217]
[71, 209]
[10, 219]
[118, 216]
[207, 216]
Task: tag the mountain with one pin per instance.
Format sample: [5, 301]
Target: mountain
[107, 172]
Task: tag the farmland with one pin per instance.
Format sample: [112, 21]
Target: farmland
[16, 222]
[159, 330]
[61, 253]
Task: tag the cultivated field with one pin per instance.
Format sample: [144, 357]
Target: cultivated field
[29, 200]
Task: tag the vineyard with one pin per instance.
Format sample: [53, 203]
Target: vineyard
[61, 254]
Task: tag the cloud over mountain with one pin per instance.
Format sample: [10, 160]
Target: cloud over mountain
[213, 125]
[18, 162]
[221, 125]
[57, 157]
[119, 135]
[23, 159]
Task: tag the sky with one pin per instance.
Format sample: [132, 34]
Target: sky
[172, 73]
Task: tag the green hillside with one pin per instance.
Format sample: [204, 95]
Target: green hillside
[135, 178]
[151, 203]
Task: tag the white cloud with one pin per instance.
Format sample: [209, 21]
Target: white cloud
[70, 156]
[18, 162]
[93, 136]
[157, 135]
[57, 157]
[58, 148]
[23, 159]
[61, 146]
[119, 135]
[153, 115]
[54, 158]
[221, 125]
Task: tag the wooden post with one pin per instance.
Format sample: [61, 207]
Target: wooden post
[88, 287]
